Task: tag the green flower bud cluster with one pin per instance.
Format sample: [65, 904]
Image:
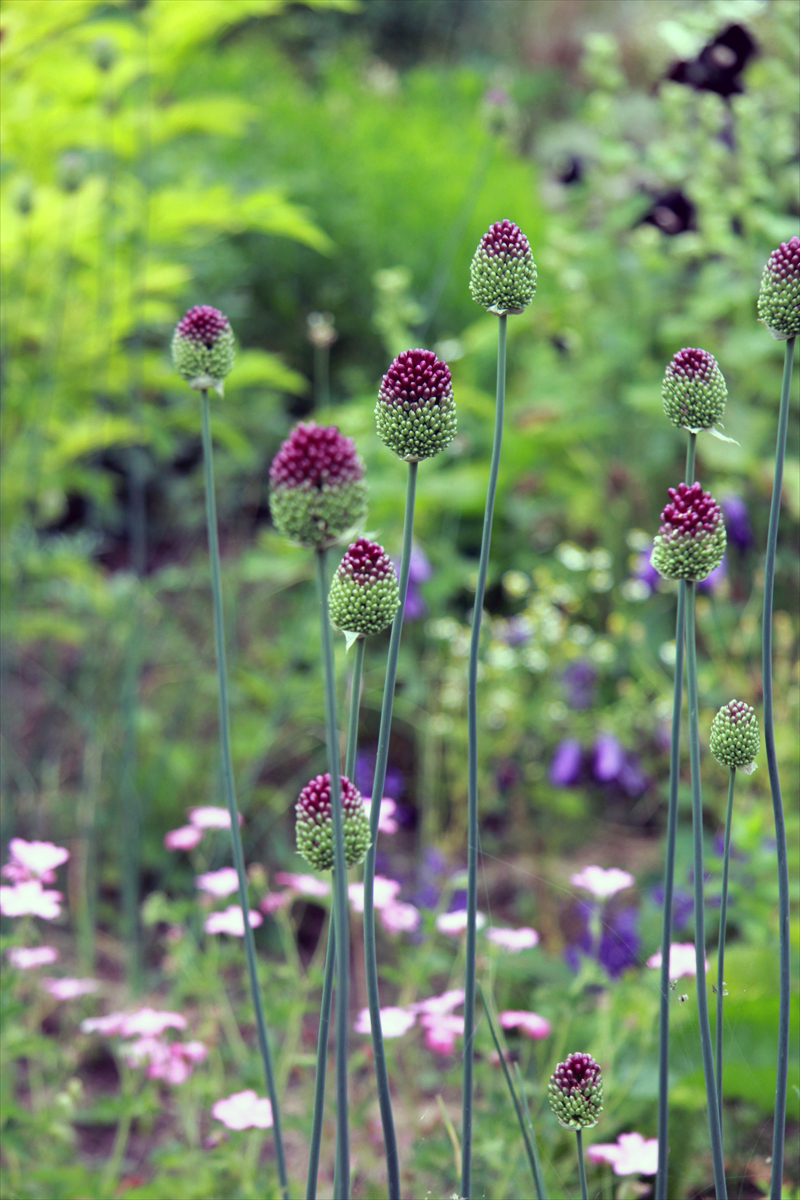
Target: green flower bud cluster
[203, 348]
[364, 595]
[318, 491]
[416, 413]
[314, 823]
[575, 1091]
[779, 297]
[735, 739]
[502, 276]
[691, 541]
[694, 391]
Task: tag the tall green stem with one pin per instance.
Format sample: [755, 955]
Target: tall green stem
[669, 870]
[472, 772]
[782, 1075]
[230, 792]
[581, 1165]
[382, 758]
[699, 900]
[723, 924]
[339, 889]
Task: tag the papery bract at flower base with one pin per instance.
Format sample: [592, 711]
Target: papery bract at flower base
[317, 488]
[415, 412]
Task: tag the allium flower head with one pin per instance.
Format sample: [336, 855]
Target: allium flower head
[314, 823]
[576, 1091]
[691, 540]
[203, 348]
[364, 595]
[735, 739]
[502, 276]
[318, 490]
[779, 297]
[693, 390]
[415, 412]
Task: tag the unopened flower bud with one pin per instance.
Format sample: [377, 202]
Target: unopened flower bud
[203, 348]
[314, 823]
[318, 491]
[694, 391]
[575, 1091]
[691, 541]
[364, 595]
[416, 413]
[502, 276]
[779, 297]
[735, 739]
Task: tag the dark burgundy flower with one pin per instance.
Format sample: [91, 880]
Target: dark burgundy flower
[719, 65]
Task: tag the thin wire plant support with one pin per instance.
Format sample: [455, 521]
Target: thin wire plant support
[472, 772]
[723, 925]
[230, 792]
[782, 1074]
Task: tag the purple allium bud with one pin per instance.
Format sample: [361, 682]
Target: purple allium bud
[735, 739]
[502, 276]
[693, 390]
[203, 348]
[415, 411]
[318, 490]
[575, 1091]
[691, 540]
[365, 594]
[314, 823]
[779, 297]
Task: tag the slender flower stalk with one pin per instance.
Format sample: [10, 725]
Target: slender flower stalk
[575, 1093]
[581, 1165]
[723, 928]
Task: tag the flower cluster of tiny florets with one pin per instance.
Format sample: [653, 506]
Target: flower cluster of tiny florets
[415, 412]
[575, 1091]
[691, 541]
[314, 823]
[203, 347]
[693, 390]
[364, 595]
[318, 490]
[735, 739]
[502, 276]
[779, 297]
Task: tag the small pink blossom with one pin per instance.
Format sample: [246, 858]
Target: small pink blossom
[529, 1022]
[441, 1031]
[70, 989]
[305, 885]
[30, 899]
[243, 1110]
[514, 940]
[275, 900]
[399, 917]
[149, 1023]
[231, 921]
[394, 1021]
[219, 883]
[682, 960]
[630, 1155]
[186, 837]
[454, 923]
[384, 893]
[440, 1004]
[207, 816]
[34, 860]
[170, 1061]
[386, 819]
[111, 1025]
[602, 883]
[24, 958]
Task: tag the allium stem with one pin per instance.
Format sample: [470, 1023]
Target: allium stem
[581, 1165]
[779, 1128]
[355, 701]
[723, 922]
[472, 772]
[230, 792]
[669, 870]
[339, 889]
[699, 900]
[382, 758]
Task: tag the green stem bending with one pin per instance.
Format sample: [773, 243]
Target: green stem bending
[230, 793]
[382, 758]
[782, 1075]
[581, 1165]
[472, 773]
[699, 914]
[669, 870]
[723, 923]
[339, 889]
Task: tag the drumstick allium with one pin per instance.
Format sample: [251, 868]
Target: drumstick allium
[365, 594]
[779, 297]
[691, 541]
[318, 491]
[415, 412]
[203, 348]
[314, 823]
[694, 390]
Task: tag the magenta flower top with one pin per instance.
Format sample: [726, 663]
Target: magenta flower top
[316, 456]
[690, 510]
[415, 378]
[203, 324]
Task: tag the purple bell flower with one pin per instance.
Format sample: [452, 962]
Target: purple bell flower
[608, 758]
[419, 571]
[737, 522]
[565, 768]
[710, 584]
[579, 680]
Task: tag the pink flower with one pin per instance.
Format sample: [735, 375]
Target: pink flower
[682, 960]
[602, 883]
[231, 921]
[170, 1061]
[399, 917]
[24, 958]
[29, 898]
[70, 989]
[440, 1004]
[514, 939]
[219, 883]
[113, 1024]
[184, 838]
[305, 885]
[394, 1021]
[209, 817]
[384, 893]
[243, 1110]
[386, 820]
[441, 1030]
[34, 860]
[630, 1155]
[148, 1023]
[529, 1022]
[456, 922]
[275, 900]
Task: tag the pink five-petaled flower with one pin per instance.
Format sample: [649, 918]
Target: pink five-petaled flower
[70, 989]
[144, 1023]
[209, 816]
[454, 923]
[394, 1021]
[439, 1004]
[34, 860]
[231, 921]
[218, 883]
[386, 820]
[602, 883]
[682, 960]
[25, 958]
[441, 1031]
[304, 885]
[243, 1110]
[29, 898]
[399, 917]
[384, 893]
[170, 1061]
[529, 1022]
[514, 940]
[631, 1154]
[185, 837]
